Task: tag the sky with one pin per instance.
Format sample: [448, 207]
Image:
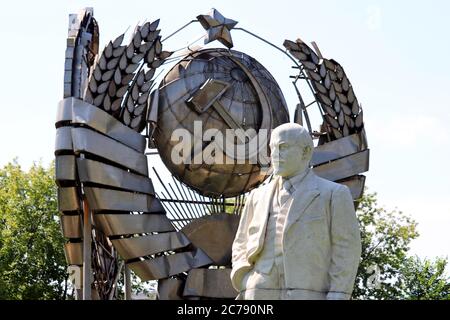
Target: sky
[396, 54]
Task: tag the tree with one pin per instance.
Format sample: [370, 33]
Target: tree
[33, 266]
[138, 288]
[32, 262]
[425, 279]
[385, 237]
[386, 271]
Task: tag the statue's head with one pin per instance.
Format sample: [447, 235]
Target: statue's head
[291, 149]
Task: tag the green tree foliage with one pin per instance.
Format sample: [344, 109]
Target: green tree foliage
[385, 237]
[32, 262]
[425, 279]
[386, 271]
[139, 289]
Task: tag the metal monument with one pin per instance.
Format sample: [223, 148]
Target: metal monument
[122, 101]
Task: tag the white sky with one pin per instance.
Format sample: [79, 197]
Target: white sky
[396, 54]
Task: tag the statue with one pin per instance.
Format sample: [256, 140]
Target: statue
[304, 244]
[298, 236]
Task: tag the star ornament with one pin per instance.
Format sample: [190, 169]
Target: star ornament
[218, 27]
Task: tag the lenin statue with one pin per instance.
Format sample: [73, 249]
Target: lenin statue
[298, 236]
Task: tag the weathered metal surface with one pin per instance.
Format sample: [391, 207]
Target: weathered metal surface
[339, 148]
[119, 84]
[68, 199]
[65, 170]
[356, 185]
[207, 96]
[80, 112]
[254, 100]
[64, 111]
[153, 103]
[156, 207]
[114, 224]
[169, 265]
[85, 140]
[106, 199]
[209, 283]
[170, 289]
[342, 113]
[63, 140]
[82, 46]
[74, 26]
[141, 246]
[74, 253]
[71, 226]
[344, 167]
[214, 234]
[218, 27]
[107, 175]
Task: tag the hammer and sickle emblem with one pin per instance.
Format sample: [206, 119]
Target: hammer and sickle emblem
[209, 94]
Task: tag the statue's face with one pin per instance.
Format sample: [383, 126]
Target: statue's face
[290, 154]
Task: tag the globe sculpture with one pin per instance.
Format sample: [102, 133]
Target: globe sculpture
[180, 232]
[247, 84]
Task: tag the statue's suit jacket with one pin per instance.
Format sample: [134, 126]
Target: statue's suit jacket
[321, 237]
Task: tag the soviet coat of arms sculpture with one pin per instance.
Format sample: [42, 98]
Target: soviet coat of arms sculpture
[132, 96]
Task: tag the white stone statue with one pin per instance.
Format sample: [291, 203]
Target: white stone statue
[298, 236]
